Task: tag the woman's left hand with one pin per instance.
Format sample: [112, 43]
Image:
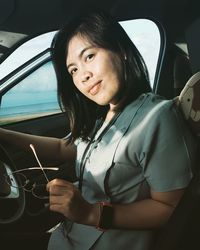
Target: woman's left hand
[65, 198]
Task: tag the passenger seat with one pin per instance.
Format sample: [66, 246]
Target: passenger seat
[182, 232]
[175, 72]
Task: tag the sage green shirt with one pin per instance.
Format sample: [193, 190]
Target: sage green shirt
[149, 147]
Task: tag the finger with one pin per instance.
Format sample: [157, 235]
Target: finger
[57, 205]
[58, 182]
[57, 200]
[57, 208]
[59, 190]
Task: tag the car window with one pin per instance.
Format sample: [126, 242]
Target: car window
[146, 36]
[25, 52]
[34, 93]
[32, 97]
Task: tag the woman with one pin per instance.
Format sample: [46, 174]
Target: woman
[131, 149]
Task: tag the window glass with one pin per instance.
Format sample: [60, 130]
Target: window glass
[34, 96]
[146, 36]
[25, 52]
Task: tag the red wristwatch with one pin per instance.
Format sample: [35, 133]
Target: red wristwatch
[106, 216]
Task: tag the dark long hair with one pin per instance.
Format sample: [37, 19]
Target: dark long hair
[104, 32]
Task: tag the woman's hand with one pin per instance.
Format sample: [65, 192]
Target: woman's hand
[65, 198]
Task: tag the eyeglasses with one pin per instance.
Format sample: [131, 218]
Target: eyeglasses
[32, 179]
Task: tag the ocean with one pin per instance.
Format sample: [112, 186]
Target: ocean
[22, 103]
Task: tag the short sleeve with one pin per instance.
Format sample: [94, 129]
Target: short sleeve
[169, 149]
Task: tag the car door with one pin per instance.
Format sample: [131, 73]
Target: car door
[29, 104]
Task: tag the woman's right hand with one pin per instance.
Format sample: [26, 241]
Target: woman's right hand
[65, 198]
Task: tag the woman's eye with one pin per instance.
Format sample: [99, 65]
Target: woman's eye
[89, 57]
[73, 71]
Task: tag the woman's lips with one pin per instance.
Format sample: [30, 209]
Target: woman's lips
[95, 89]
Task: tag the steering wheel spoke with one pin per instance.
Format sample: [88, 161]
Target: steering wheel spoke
[12, 197]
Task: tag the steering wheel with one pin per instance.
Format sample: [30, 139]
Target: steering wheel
[12, 199]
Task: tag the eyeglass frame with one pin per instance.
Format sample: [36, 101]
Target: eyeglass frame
[33, 186]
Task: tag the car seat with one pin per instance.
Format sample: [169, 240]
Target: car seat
[181, 70]
[182, 229]
[175, 72]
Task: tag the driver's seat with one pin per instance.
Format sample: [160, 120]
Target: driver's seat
[182, 230]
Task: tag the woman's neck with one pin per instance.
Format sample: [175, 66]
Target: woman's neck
[110, 115]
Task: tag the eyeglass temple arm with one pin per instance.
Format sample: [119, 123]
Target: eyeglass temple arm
[38, 161]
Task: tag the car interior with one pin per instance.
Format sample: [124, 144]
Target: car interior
[25, 220]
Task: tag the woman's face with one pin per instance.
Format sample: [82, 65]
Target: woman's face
[95, 71]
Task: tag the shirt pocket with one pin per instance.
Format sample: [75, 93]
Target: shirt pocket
[123, 182]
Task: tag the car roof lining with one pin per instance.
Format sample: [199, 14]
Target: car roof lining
[32, 17]
[6, 9]
[39, 15]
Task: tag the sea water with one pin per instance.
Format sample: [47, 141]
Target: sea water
[22, 103]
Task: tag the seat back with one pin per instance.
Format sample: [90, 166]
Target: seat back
[181, 70]
[175, 72]
[189, 101]
[183, 228]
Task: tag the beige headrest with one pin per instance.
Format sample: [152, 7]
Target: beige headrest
[189, 102]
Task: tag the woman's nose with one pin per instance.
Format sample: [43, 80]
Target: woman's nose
[86, 76]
